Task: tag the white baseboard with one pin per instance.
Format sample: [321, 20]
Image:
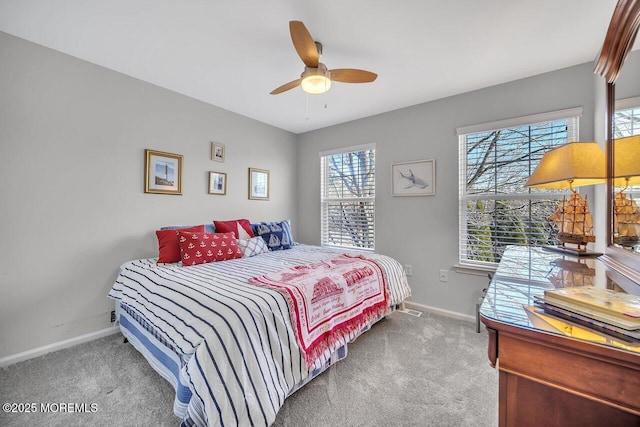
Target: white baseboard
[30, 354]
[36, 352]
[440, 311]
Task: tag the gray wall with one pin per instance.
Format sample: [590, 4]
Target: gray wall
[423, 231]
[628, 82]
[72, 207]
[72, 140]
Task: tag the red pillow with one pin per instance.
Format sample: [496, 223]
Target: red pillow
[198, 248]
[168, 248]
[242, 228]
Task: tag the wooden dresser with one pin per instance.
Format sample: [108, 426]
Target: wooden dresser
[554, 373]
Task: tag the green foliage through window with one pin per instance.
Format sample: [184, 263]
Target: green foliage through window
[496, 208]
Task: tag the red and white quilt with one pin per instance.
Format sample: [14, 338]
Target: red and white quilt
[329, 299]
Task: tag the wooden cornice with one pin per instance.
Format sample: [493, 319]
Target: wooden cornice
[619, 40]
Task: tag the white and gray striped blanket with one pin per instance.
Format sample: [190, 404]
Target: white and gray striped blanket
[240, 356]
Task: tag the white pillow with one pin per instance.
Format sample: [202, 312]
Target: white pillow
[253, 246]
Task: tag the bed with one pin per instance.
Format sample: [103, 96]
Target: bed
[227, 346]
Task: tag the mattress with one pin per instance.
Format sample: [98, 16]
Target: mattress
[227, 346]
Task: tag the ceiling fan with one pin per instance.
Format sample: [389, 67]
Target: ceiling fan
[316, 78]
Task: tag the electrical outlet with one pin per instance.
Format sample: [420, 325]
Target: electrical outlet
[408, 270]
[444, 275]
[113, 316]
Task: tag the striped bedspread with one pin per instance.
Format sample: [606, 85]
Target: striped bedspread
[239, 353]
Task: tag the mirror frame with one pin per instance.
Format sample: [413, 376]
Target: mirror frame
[618, 42]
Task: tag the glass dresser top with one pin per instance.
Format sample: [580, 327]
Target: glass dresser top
[525, 272]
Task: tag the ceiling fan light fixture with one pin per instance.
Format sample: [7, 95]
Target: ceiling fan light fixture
[316, 84]
[316, 80]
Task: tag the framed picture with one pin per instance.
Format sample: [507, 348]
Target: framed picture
[217, 183]
[217, 152]
[416, 178]
[258, 184]
[163, 173]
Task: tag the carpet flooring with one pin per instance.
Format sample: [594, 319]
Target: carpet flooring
[407, 371]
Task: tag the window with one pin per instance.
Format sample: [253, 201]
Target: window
[347, 196]
[626, 123]
[495, 161]
[626, 119]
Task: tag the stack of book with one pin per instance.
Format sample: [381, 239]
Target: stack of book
[605, 310]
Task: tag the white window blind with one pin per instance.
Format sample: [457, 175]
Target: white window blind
[626, 120]
[495, 207]
[348, 198]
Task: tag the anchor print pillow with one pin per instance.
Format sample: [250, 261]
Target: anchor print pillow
[168, 247]
[200, 248]
[277, 235]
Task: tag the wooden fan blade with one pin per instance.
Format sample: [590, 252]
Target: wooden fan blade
[304, 44]
[351, 75]
[285, 87]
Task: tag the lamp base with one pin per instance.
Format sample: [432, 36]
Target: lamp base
[571, 251]
[627, 241]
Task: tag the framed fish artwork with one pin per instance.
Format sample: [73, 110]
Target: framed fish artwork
[417, 178]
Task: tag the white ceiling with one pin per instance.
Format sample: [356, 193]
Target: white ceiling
[232, 53]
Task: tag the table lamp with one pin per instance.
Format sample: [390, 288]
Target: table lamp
[626, 173]
[568, 166]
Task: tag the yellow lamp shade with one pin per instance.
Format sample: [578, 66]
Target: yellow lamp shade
[570, 165]
[626, 169]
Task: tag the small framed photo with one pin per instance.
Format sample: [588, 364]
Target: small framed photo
[258, 184]
[417, 178]
[217, 152]
[163, 173]
[217, 183]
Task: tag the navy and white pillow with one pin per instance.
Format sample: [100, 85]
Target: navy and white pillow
[277, 235]
[253, 246]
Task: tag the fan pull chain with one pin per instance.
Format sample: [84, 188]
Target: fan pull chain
[307, 116]
[324, 95]
[306, 119]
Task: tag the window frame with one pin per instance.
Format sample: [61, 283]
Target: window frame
[622, 105]
[625, 105]
[571, 115]
[326, 201]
